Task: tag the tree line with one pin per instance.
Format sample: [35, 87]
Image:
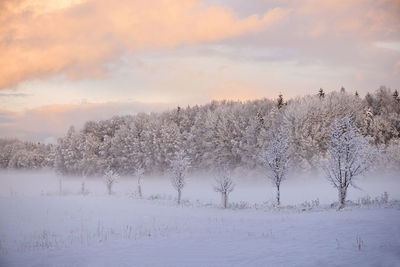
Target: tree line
[349, 154]
[220, 133]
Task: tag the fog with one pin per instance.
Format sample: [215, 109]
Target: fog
[250, 186]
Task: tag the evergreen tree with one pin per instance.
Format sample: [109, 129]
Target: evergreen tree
[280, 101]
[396, 95]
[260, 118]
[321, 93]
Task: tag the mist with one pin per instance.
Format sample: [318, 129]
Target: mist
[252, 187]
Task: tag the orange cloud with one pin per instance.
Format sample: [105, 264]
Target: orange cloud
[236, 90]
[41, 38]
[397, 67]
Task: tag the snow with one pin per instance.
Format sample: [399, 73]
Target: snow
[41, 228]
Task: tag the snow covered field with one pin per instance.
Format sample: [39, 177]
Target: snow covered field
[39, 227]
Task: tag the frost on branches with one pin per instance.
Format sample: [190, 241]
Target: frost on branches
[179, 167]
[110, 178]
[275, 157]
[224, 185]
[348, 155]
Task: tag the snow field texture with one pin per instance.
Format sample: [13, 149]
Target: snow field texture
[40, 227]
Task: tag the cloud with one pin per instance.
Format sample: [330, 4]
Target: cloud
[346, 18]
[171, 50]
[6, 117]
[42, 38]
[389, 45]
[236, 90]
[13, 95]
[51, 121]
[338, 38]
[397, 67]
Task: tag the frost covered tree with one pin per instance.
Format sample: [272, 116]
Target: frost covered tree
[179, 167]
[224, 185]
[25, 155]
[110, 178]
[349, 155]
[275, 157]
[389, 160]
[124, 149]
[302, 121]
[169, 133]
[216, 134]
[139, 175]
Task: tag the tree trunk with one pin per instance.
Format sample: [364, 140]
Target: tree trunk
[139, 189]
[83, 188]
[179, 196]
[225, 199]
[278, 196]
[342, 197]
[60, 185]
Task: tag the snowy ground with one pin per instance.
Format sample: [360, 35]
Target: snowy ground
[38, 227]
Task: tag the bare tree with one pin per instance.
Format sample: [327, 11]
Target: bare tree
[60, 187]
[179, 167]
[224, 185]
[275, 157]
[83, 182]
[349, 155]
[139, 174]
[110, 178]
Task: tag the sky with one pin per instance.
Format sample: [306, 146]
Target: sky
[68, 61]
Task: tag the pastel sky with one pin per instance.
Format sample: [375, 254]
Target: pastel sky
[67, 61]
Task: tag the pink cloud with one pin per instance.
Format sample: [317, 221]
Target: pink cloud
[40, 38]
[353, 18]
[53, 121]
[236, 90]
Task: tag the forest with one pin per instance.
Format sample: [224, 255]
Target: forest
[229, 134]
